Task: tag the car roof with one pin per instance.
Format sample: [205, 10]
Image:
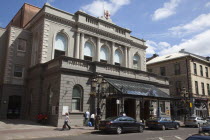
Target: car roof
[200, 137]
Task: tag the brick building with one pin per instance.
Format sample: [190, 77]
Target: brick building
[50, 57]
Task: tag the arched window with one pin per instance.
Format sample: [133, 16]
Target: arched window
[136, 61]
[118, 57]
[60, 45]
[88, 51]
[104, 54]
[77, 98]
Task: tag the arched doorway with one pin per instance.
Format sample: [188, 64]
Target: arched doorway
[14, 107]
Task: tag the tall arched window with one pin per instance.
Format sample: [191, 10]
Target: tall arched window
[88, 51]
[77, 96]
[118, 57]
[104, 54]
[136, 61]
[60, 45]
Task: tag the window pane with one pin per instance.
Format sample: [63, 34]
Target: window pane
[75, 104]
[76, 92]
[60, 43]
[22, 45]
[104, 53]
[88, 50]
[18, 71]
[118, 57]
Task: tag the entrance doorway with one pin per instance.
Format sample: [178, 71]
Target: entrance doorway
[130, 108]
[111, 107]
[14, 106]
[144, 112]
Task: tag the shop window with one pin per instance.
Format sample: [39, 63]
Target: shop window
[60, 45]
[77, 96]
[162, 107]
[21, 45]
[162, 71]
[136, 61]
[18, 71]
[88, 51]
[118, 57]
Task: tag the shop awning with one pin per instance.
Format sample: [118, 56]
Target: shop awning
[139, 89]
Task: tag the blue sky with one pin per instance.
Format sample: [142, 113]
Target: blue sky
[167, 25]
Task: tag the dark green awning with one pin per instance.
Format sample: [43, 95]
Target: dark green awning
[134, 88]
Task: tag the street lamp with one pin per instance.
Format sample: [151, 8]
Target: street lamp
[101, 84]
[185, 96]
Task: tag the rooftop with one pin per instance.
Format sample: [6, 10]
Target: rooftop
[180, 54]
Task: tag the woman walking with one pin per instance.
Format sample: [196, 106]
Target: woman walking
[66, 120]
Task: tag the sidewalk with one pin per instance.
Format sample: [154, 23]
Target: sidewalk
[23, 129]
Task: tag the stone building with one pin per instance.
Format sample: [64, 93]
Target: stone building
[50, 57]
[188, 79]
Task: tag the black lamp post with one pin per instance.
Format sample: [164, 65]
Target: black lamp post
[99, 83]
[185, 96]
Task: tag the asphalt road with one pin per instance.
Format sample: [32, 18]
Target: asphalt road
[171, 134]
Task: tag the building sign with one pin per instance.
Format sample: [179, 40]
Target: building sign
[65, 110]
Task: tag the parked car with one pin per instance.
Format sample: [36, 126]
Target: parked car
[195, 121]
[121, 124]
[162, 123]
[198, 137]
[204, 129]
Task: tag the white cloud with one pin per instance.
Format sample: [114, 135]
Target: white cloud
[168, 9]
[199, 44]
[96, 8]
[198, 24]
[151, 47]
[207, 4]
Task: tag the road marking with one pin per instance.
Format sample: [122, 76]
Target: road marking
[161, 138]
[178, 137]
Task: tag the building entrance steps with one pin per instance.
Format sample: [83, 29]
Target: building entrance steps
[23, 129]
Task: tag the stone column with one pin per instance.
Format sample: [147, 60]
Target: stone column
[126, 57]
[98, 50]
[81, 53]
[128, 53]
[77, 45]
[112, 53]
[138, 109]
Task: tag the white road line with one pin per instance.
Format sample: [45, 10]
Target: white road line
[178, 137]
[161, 138]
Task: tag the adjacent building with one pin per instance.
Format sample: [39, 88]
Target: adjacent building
[50, 58]
[189, 81]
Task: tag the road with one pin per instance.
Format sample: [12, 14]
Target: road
[171, 134]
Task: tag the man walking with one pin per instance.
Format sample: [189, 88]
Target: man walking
[66, 120]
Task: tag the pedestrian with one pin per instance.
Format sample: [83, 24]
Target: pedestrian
[86, 116]
[66, 120]
[92, 119]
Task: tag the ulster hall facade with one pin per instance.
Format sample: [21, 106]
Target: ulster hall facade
[50, 59]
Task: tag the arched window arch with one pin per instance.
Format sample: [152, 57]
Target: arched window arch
[104, 54]
[77, 98]
[118, 57]
[88, 51]
[60, 45]
[136, 61]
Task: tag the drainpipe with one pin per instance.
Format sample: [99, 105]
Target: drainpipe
[188, 84]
